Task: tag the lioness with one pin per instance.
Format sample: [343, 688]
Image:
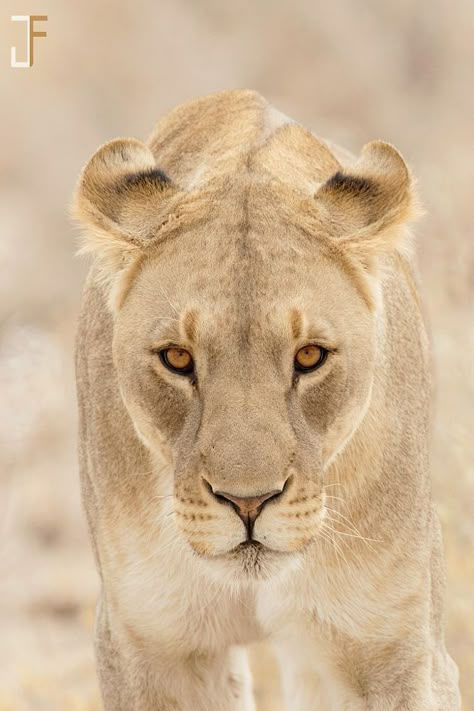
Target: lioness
[254, 392]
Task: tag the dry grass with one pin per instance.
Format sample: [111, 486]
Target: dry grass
[397, 70]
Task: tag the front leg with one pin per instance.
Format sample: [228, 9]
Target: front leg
[377, 677]
[144, 679]
[307, 684]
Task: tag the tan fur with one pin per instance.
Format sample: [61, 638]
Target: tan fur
[254, 240]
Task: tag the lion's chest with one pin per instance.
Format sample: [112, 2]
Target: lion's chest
[165, 599]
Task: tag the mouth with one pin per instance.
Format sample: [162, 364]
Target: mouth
[253, 549]
[249, 547]
[248, 562]
[256, 560]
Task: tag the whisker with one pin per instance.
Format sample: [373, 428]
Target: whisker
[157, 471]
[323, 532]
[338, 498]
[160, 496]
[351, 526]
[350, 523]
[351, 549]
[352, 535]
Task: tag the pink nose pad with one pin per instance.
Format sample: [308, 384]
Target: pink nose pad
[247, 507]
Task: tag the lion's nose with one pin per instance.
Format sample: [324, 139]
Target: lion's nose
[247, 507]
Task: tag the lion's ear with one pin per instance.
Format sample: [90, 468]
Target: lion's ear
[369, 206]
[120, 197]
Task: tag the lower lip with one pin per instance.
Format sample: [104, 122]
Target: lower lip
[250, 545]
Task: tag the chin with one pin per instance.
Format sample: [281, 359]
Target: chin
[249, 562]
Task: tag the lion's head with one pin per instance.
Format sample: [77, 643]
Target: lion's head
[242, 262]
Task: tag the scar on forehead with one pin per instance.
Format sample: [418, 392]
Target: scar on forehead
[296, 323]
[190, 324]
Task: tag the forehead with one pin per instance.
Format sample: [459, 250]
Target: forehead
[248, 267]
[256, 284]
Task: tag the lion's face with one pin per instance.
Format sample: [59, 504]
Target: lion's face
[244, 299]
[249, 353]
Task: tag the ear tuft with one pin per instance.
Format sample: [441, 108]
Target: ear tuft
[369, 205]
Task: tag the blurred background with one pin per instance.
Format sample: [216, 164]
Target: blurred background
[399, 70]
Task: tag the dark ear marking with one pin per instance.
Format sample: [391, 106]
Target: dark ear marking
[154, 177]
[353, 184]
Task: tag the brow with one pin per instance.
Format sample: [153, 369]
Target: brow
[166, 328]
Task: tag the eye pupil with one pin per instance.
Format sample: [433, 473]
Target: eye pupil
[309, 358]
[178, 360]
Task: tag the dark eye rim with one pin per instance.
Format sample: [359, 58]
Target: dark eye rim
[189, 370]
[322, 359]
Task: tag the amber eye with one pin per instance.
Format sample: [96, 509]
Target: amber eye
[310, 358]
[178, 360]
